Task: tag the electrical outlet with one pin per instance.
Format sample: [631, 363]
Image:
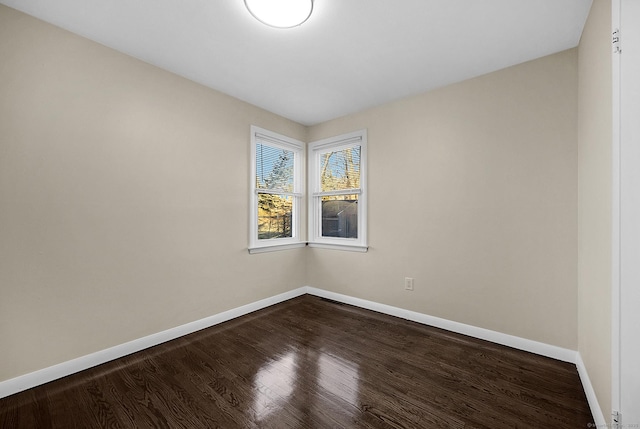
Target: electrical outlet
[408, 283]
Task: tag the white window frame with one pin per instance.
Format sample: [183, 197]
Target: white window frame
[260, 135]
[357, 138]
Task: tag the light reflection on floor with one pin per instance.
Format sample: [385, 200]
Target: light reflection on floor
[338, 377]
[276, 381]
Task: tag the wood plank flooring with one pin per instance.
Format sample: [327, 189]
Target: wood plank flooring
[312, 363]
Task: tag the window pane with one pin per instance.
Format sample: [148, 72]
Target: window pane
[340, 170]
[274, 216]
[340, 216]
[274, 168]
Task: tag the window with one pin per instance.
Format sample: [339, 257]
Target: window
[337, 188]
[276, 190]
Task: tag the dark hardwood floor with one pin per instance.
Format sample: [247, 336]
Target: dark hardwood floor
[312, 363]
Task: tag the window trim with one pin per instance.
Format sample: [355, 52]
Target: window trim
[314, 211]
[261, 135]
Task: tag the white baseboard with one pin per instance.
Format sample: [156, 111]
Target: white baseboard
[596, 411]
[36, 378]
[536, 347]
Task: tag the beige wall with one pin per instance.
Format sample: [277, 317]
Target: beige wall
[594, 200]
[112, 172]
[123, 199]
[473, 192]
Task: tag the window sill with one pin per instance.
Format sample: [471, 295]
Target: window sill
[345, 247]
[276, 247]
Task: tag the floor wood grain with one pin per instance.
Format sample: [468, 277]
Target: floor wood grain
[312, 363]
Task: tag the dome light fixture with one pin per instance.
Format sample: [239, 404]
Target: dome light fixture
[280, 13]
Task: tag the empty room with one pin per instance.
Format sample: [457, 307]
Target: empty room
[357, 214]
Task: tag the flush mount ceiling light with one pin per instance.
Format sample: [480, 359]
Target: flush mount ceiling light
[280, 13]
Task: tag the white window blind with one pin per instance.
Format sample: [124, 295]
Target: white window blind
[340, 170]
[276, 191]
[337, 207]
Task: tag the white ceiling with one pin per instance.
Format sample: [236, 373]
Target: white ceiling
[350, 55]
